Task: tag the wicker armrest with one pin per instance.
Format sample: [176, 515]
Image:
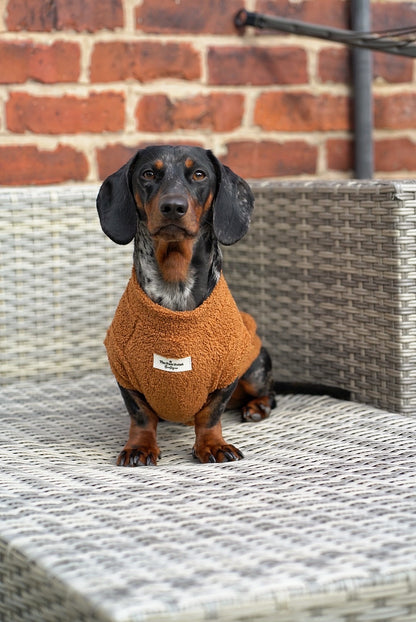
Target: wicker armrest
[328, 268]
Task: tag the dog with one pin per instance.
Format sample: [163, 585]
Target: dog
[179, 204]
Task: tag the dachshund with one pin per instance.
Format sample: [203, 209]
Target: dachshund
[179, 204]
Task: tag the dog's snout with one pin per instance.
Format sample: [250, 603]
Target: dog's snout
[173, 207]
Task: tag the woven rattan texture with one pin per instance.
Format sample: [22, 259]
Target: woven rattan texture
[60, 281]
[317, 523]
[328, 269]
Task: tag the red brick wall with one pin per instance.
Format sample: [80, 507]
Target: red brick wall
[83, 84]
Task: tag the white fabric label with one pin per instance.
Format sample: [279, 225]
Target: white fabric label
[173, 365]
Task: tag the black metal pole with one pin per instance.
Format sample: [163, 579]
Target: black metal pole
[363, 101]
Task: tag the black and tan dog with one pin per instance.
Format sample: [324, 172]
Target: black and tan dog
[178, 346]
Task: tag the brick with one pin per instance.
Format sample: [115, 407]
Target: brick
[271, 159]
[99, 112]
[30, 165]
[78, 15]
[112, 157]
[187, 16]
[340, 154]
[49, 64]
[334, 65]
[31, 15]
[396, 154]
[14, 60]
[391, 68]
[234, 65]
[144, 61]
[218, 112]
[302, 112]
[395, 112]
[330, 12]
[153, 113]
[390, 155]
[390, 15]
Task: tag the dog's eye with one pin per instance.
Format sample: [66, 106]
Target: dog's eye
[199, 175]
[148, 174]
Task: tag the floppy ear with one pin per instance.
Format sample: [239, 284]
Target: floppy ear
[116, 206]
[233, 204]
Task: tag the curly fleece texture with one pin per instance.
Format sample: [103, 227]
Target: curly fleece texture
[221, 341]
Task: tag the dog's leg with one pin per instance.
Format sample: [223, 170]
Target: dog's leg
[141, 447]
[210, 445]
[256, 387]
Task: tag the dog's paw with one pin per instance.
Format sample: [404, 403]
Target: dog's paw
[216, 453]
[258, 408]
[139, 456]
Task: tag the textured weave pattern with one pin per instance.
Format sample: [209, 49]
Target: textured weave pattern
[318, 522]
[60, 282]
[329, 273]
[327, 270]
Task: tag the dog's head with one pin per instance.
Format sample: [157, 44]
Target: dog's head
[173, 190]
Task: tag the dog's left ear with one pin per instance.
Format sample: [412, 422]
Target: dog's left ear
[116, 206]
[233, 204]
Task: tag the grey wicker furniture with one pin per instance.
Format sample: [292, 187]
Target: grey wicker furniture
[317, 523]
[331, 272]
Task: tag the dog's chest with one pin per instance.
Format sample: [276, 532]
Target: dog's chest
[176, 359]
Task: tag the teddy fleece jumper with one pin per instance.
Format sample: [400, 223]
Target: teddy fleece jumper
[177, 358]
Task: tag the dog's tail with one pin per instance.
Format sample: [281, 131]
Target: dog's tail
[309, 388]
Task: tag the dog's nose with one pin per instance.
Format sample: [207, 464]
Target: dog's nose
[173, 207]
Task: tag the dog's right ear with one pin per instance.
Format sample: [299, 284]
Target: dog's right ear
[116, 206]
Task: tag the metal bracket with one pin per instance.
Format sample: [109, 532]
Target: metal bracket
[401, 41]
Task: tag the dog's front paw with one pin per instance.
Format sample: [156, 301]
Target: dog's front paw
[258, 409]
[139, 456]
[216, 453]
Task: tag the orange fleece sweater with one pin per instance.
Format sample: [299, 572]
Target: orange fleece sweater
[177, 358]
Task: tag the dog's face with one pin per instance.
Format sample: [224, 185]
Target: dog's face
[173, 189]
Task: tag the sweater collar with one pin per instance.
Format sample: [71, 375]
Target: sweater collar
[139, 299]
